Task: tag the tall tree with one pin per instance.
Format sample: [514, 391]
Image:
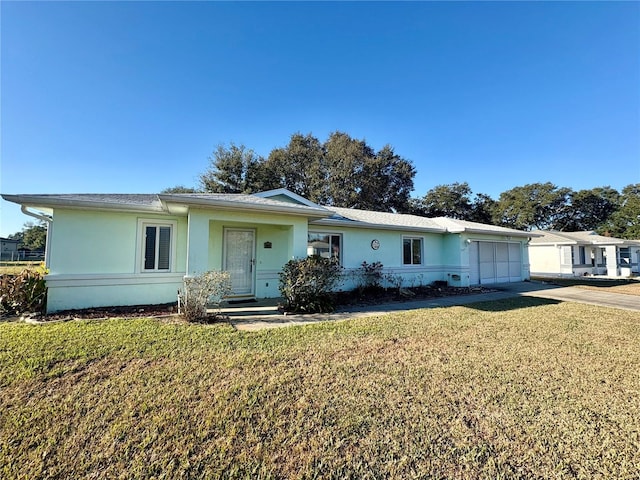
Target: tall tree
[453, 201]
[298, 167]
[482, 209]
[625, 222]
[387, 182]
[342, 171]
[588, 209]
[233, 169]
[33, 236]
[345, 159]
[532, 206]
[179, 189]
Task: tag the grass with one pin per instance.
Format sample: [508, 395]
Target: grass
[524, 388]
[624, 286]
[13, 268]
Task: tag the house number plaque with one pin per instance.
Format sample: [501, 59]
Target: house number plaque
[375, 244]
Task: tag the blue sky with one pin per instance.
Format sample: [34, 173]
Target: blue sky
[133, 97]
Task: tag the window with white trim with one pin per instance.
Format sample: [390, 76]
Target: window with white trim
[625, 256]
[412, 250]
[325, 244]
[157, 246]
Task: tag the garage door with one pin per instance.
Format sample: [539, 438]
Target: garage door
[494, 262]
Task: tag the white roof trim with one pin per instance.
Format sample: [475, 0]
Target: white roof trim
[287, 193]
[241, 204]
[47, 202]
[348, 223]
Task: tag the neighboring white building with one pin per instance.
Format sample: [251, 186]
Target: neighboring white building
[8, 249]
[576, 254]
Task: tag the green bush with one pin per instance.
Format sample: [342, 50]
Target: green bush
[24, 292]
[306, 284]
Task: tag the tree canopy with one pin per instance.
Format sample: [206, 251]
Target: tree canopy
[346, 172]
[33, 236]
[233, 169]
[532, 206]
[342, 171]
[180, 189]
[625, 221]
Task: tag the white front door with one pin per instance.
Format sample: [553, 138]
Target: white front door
[239, 259]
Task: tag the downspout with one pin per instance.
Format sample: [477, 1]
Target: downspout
[43, 218]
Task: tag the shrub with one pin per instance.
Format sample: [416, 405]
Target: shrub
[394, 280]
[199, 291]
[306, 284]
[370, 275]
[24, 292]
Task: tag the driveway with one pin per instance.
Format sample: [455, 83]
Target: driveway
[573, 294]
[268, 316]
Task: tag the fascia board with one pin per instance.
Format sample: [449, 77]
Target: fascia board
[553, 244]
[313, 212]
[375, 226]
[287, 193]
[38, 202]
[514, 233]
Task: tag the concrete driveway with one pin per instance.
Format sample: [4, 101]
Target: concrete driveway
[267, 316]
[573, 294]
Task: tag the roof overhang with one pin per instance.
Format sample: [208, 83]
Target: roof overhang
[177, 204]
[504, 233]
[47, 203]
[329, 222]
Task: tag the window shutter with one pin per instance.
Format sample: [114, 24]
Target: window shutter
[406, 251]
[150, 248]
[417, 251]
[164, 248]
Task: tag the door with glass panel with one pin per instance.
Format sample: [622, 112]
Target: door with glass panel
[239, 259]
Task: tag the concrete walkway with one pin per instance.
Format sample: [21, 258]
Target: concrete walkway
[264, 315]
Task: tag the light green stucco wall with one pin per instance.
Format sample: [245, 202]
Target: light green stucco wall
[95, 261]
[94, 255]
[356, 248]
[103, 242]
[287, 234]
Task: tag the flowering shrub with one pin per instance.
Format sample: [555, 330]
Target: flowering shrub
[199, 291]
[24, 292]
[306, 284]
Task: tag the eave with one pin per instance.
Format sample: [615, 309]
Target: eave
[374, 226]
[48, 203]
[180, 205]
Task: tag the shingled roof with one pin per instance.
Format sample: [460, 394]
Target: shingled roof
[370, 219]
[161, 203]
[588, 237]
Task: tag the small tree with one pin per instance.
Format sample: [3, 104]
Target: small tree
[306, 284]
[208, 288]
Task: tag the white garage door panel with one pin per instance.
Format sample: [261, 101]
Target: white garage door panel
[474, 264]
[502, 262]
[515, 262]
[494, 262]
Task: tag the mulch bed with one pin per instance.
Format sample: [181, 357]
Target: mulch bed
[131, 311]
[370, 296]
[376, 296]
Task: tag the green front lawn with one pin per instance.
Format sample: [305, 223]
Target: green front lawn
[518, 389]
